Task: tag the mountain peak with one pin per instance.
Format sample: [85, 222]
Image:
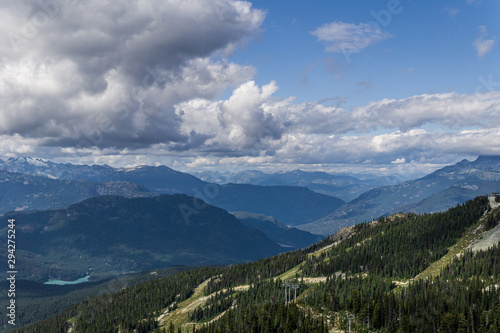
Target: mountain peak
[488, 162]
[488, 158]
[29, 160]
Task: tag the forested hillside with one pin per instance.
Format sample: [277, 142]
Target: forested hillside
[375, 273]
[111, 235]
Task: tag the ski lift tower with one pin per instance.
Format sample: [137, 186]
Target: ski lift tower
[350, 317]
[295, 287]
[287, 285]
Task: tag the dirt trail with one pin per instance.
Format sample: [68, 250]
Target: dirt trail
[180, 315]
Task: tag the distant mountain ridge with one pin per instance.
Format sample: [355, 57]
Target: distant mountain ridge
[343, 186]
[291, 204]
[24, 192]
[159, 179]
[438, 191]
[288, 237]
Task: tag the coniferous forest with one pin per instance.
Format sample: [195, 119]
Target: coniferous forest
[373, 273]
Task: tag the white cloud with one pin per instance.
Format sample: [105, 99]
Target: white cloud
[450, 109]
[253, 123]
[238, 123]
[340, 37]
[482, 45]
[399, 161]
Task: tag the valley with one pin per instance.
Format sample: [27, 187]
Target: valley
[338, 276]
[356, 270]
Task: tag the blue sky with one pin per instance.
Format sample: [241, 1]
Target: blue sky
[381, 86]
[430, 49]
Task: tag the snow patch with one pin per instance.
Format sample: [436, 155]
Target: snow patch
[132, 168]
[36, 161]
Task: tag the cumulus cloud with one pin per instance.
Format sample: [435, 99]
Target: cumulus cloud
[449, 109]
[253, 123]
[238, 123]
[108, 73]
[340, 37]
[415, 146]
[15, 145]
[482, 45]
[399, 161]
[129, 36]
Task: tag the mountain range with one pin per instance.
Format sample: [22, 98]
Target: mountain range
[285, 236]
[287, 196]
[436, 192]
[293, 205]
[344, 186]
[159, 179]
[140, 229]
[25, 192]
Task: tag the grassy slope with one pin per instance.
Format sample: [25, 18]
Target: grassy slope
[180, 316]
[472, 235]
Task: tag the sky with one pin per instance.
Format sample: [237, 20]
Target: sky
[363, 86]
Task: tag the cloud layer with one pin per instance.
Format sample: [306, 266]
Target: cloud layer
[126, 82]
[252, 123]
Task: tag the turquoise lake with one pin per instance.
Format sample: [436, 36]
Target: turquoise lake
[61, 282]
